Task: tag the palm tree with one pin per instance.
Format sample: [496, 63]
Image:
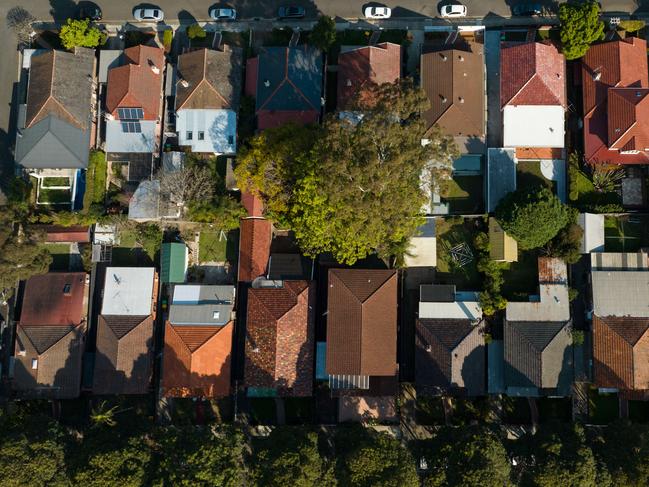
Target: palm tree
[102, 415]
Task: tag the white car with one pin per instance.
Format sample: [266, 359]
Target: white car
[148, 15]
[454, 10]
[378, 12]
[223, 14]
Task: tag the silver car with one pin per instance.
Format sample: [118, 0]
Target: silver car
[148, 15]
[223, 14]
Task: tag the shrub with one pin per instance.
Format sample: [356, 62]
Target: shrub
[167, 39]
[631, 25]
[79, 33]
[196, 31]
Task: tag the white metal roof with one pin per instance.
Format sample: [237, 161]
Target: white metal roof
[533, 126]
[128, 291]
[593, 227]
[618, 261]
[218, 129]
[121, 142]
[457, 310]
[554, 305]
[621, 293]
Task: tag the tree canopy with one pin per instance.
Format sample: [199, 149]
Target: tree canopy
[580, 27]
[323, 34]
[79, 33]
[351, 188]
[532, 218]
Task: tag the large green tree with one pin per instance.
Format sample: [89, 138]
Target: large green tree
[580, 27]
[532, 218]
[323, 34]
[79, 33]
[624, 449]
[351, 188]
[290, 456]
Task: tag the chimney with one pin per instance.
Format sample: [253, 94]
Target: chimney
[349, 82]
[460, 99]
[443, 99]
[444, 58]
[267, 83]
[184, 83]
[153, 67]
[597, 75]
[461, 58]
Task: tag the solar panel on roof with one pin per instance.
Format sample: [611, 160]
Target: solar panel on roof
[130, 113]
[131, 127]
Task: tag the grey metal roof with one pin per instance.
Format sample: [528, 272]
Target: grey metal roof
[108, 58]
[119, 141]
[51, 144]
[621, 293]
[201, 305]
[501, 175]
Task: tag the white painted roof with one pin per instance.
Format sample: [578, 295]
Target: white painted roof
[216, 125]
[119, 141]
[128, 291]
[593, 227]
[458, 310]
[611, 261]
[553, 305]
[621, 293]
[533, 126]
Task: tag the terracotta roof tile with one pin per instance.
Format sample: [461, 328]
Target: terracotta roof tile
[532, 74]
[254, 247]
[362, 322]
[280, 333]
[46, 301]
[252, 203]
[136, 84]
[363, 66]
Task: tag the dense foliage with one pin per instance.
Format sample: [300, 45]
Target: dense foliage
[323, 34]
[351, 188]
[580, 27]
[532, 218]
[79, 33]
[93, 198]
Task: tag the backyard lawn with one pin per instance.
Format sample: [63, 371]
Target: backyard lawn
[53, 182]
[521, 279]
[465, 195]
[451, 233]
[130, 253]
[212, 247]
[627, 233]
[54, 196]
[60, 256]
[602, 408]
[529, 176]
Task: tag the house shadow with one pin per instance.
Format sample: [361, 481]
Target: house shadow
[61, 10]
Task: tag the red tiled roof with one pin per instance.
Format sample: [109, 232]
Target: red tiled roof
[628, 108]
[366, 66]
[254, 247]
[621, 352]
[606, 68]
[252, 67]
[76, 233]
[135, 84]
[46, 303]
[532, 74]
[252, 203]
[280, 338]
[362, 322]
[267, 119]
[196, 361]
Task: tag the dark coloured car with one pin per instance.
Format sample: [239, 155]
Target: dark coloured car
[91, 12]
[527, 9]
[291, 12]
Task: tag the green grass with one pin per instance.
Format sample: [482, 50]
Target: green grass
[130, 253]
[60, 256]
[451, 232]
[529, 176]
[263, 410]
[588, 198]
[521, 278]
[602, 408]
[55, 196]
[626, 233]
[429, 411]
[465, 195]
[554, 409]
[299, 410]
[95, 180]
[51, 182]
[211, 248]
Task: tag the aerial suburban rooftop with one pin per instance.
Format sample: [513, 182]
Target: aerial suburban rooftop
[324, 243]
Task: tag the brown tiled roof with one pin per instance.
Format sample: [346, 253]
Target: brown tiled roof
[252, 203]
[60, 84]
[135, 84]
[532, 73]
[45, 303]
[254, 247]
[74, 233]
[363, 66]
[539, 153]
[196, 361]
[628, 108]
[123, 363]
[280, 333]
[362, 322]
[44, 337]
[605, 68]
[213, 79]
[453, 79]
[449, 354]
[621, 352]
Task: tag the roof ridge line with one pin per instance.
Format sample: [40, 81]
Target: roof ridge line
[136, 326]
[299, 92]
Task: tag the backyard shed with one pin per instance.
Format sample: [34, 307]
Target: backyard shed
[173, 262]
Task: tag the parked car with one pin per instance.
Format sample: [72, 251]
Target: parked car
[223, 14]
[291, 12]
[148, 15]
[378, 12]
[92, 12]
[527, 9]
[453, 10]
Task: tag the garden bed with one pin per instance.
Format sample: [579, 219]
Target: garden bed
[467, 411]
[627, 233]
[52, 182]
[450, 233]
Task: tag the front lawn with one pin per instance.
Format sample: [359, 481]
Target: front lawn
[212, 247]
[429, 411]
[530, 177]
[586, 197]
[451, 233]
[54, 182]
[602, 408]
[465, 195]
[521, 278]
[627, 233]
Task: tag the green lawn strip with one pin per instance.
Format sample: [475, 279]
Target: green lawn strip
[602, 408]
[55, 181]
[551, 409]
[625, 233]
[465, 194]
[129, 252]
[521, 278]
[211, 248]
[451, 232]
[55, 196]
[95, 179]
[429, 410]
[529, 175]
[60, 256]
